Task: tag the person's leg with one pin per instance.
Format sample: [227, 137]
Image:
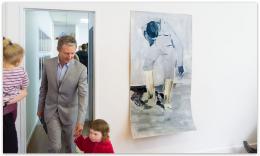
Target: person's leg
[67, 132]
[10, 142]
[168, 90]
[54, 134]
[149, 81]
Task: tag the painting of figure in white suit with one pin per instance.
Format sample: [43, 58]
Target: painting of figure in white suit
[160, 76]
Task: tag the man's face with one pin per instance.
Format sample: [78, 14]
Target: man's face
[95, 136]
[66, 53]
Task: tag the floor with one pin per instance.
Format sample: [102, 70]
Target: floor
[39, 140]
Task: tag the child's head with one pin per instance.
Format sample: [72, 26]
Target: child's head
[98, 130]
[13, 53]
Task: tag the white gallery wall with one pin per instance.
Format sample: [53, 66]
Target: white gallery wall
[35, 21]
[224, 71]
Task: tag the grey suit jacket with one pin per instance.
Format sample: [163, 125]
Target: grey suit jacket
[70, 98]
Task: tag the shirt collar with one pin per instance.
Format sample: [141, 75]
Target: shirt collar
[66, 64]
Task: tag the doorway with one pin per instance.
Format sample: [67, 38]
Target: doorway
[42, 31]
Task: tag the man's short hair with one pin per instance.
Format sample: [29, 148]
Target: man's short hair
[68, 40]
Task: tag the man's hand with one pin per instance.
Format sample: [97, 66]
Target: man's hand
[40, 114]
[78, 130]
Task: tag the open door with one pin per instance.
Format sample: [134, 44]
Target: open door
[42, 30]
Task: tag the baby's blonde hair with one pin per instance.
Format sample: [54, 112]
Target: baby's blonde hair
[12, 52]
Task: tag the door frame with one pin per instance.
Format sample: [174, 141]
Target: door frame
[21, 115]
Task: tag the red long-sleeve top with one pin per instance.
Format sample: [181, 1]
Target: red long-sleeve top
[87, 146]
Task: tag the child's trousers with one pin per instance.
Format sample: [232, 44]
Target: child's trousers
[10, 142]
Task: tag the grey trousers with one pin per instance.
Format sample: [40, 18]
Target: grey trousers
[59, 135]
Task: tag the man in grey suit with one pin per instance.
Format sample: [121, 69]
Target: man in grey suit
[63, 96]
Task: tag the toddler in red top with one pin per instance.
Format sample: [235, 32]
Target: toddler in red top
[97, 140]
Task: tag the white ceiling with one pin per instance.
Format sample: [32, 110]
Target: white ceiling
[67, 17]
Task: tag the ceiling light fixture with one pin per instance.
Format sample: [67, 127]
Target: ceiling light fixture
[83, 20]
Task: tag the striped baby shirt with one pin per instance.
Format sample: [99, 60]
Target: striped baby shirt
[14, 80]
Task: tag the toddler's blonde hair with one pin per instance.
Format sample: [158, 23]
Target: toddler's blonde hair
[12, 52]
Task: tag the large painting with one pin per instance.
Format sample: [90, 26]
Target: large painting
[160, 78]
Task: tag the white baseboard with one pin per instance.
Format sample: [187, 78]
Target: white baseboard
[230, 149]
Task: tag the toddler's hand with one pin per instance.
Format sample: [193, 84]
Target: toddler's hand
[78, 130]
[12, 101]
[76, 135]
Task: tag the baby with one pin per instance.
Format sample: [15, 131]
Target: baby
[97, 140]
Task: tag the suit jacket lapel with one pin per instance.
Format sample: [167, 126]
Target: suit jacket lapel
[54, 70]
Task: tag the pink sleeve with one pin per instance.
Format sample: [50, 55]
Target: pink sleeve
[25, 80]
